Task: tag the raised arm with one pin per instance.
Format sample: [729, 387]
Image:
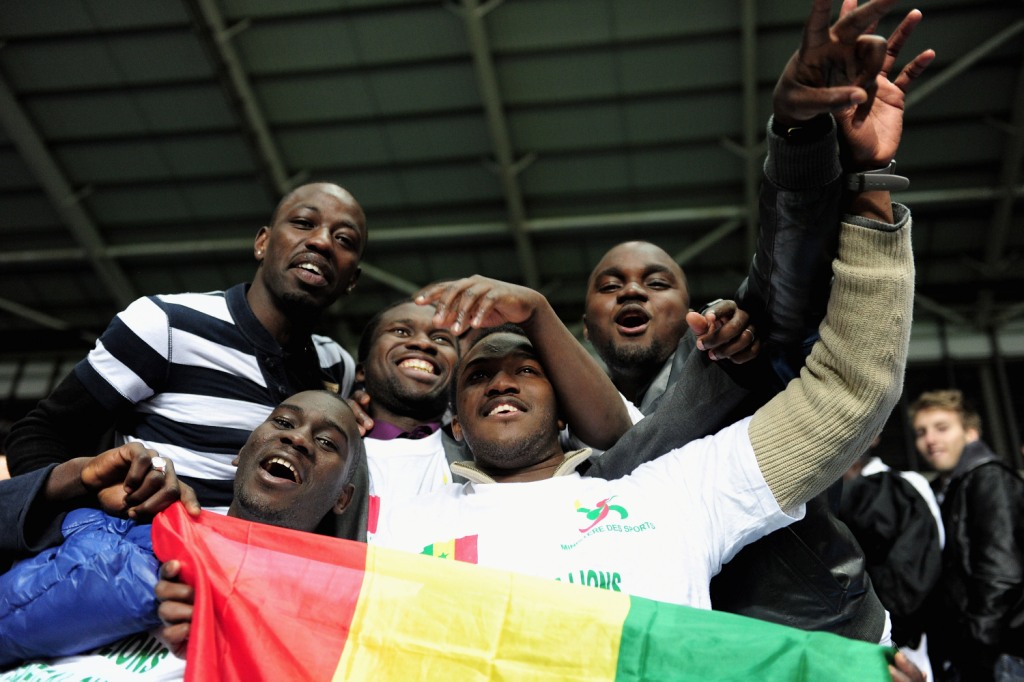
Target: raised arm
[805, 437]
[589, 401]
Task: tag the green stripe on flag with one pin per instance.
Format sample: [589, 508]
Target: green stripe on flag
[669, 642]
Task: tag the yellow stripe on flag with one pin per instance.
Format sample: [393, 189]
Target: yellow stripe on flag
[445, 550]
[418, 618]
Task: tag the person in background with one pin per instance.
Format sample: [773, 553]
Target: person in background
[976, 621]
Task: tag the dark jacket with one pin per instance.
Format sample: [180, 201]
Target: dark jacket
[94, 588]
[810, 575]
[899, 534]
[26, 528]
[979, 608]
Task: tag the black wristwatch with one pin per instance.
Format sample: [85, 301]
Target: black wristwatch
[875, 180]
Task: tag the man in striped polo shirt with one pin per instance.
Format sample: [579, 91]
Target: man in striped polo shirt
[191, 375]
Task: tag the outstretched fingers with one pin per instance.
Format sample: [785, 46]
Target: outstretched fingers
[870, 52]
[899, 37]
[816, 30]
[912, 71]
[860, 20]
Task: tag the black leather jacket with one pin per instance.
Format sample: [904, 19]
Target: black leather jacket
[979, 608]
[812, 574]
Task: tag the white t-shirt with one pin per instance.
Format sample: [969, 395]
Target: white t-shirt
[143, 656]
[661, 532]
[402, 468]
[406, 467]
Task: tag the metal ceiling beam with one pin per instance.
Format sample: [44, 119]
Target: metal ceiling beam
[548, 226]
[218, 38]
[63, 197]
[42, 319]
[965, 62]
[708, 240]
[508, 168]
[1009, 176]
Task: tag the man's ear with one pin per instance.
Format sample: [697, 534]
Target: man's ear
[344, 499]
[352, 282]
[234, 462]
[360, 374]
[561, 425]
[586, 331]
[456, 428]
[259, 247]
[972, 435]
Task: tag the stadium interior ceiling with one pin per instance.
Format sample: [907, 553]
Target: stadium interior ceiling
[143, 143]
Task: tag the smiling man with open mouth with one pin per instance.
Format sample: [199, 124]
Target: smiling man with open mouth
[405, 365]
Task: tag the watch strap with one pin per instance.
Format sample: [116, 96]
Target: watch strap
[881, 179]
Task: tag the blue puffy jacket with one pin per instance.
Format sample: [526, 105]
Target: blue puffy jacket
[93, 589]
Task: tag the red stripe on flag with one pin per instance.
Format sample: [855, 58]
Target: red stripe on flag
[465, 549]
[280, 601]
[374, 514]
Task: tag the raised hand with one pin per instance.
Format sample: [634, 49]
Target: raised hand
[476, 302]
[836, 66]
[872, 140]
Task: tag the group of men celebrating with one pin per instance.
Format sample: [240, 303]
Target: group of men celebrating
[475, 384]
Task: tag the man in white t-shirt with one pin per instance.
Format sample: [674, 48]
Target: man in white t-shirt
[405, 365]
[527, 510]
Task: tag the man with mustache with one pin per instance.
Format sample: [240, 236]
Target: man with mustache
[811, 574]
[190, 375]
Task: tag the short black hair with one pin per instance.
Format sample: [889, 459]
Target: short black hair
[453, 386]
[366, 340]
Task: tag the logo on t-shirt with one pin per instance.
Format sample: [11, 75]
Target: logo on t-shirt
[600, 511]
[459, 549]
[602, 522]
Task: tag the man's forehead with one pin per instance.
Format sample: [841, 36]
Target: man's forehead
[409, 313]
[499, 346]
[633, 256]
[321, 405]
[308, 195]
[937, 414]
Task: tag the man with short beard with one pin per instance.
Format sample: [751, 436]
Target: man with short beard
[810, 574]
[190, 375]
[405, 365]
[406, 362]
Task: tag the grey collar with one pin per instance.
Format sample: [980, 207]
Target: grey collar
[470, 472]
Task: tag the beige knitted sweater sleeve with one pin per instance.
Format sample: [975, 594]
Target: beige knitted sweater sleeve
[809, 434]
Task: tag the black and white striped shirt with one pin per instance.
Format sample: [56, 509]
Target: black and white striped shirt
[191, 375]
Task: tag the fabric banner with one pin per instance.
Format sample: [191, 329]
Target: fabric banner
[275, 604]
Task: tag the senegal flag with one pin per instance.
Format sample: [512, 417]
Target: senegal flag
[274, 604]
